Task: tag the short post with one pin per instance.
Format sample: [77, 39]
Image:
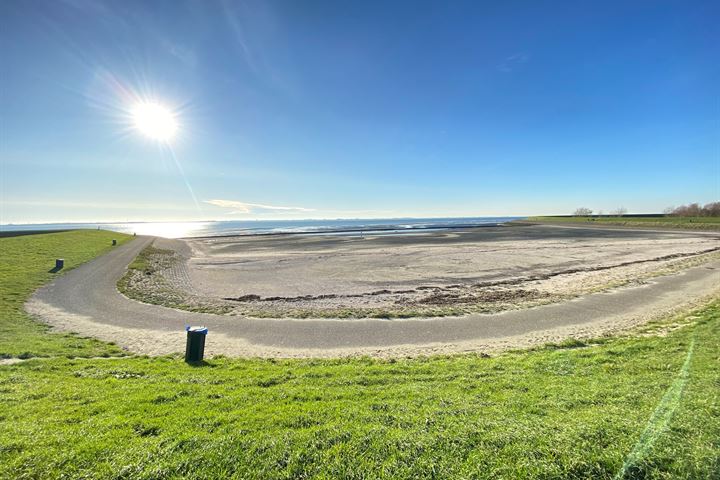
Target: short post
[59, 263]
[114, 242]
[195, 346]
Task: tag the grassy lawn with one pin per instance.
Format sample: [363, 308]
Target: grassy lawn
[26, 264]
[646, 406]
[694, 223]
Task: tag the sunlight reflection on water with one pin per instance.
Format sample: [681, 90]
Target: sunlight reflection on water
[247, 227]
[162, 229]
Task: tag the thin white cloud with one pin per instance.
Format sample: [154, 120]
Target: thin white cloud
[513, 61]
[238, 31]
[245, 207]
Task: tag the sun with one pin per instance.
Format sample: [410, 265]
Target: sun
[154, 120]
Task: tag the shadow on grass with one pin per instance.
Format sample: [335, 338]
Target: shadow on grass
[55, 269]
[199, 363]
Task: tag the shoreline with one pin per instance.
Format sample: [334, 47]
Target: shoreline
[388, 226]
[399, 231]
[205, 228]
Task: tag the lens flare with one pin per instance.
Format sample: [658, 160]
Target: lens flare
[154, 121]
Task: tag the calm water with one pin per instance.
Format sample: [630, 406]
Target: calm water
[253, 227]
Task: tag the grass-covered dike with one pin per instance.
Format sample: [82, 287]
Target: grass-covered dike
[642, 406]
[673, 222]
[27, 263]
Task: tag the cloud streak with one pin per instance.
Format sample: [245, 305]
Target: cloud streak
[513, 61]
[245, 207]
[239, 32]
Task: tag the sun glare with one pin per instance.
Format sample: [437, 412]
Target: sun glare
[154, 120]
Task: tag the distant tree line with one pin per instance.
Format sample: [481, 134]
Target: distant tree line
[695, 210]
[586, 212]
[691, 210]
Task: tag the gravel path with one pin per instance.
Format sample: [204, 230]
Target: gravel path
[85, 300]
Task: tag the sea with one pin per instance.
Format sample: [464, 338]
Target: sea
[381, 226]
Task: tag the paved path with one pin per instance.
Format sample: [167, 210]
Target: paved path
[86, 300]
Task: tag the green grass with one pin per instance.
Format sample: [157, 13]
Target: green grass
[694, 223]
[26, 264]
[578, 409]
[142, 262]
[147, 266]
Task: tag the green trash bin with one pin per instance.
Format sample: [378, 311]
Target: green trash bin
[195, 346]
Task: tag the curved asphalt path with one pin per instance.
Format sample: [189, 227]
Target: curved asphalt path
[90, 291]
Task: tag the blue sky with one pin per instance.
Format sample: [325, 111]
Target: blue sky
[326, 109]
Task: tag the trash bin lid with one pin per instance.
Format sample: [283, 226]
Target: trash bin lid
[201, 330]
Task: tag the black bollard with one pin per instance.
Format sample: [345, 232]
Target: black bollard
[195, 346]
[114, 242]
[59, 263]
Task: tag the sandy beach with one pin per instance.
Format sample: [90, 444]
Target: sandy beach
[479, 270]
